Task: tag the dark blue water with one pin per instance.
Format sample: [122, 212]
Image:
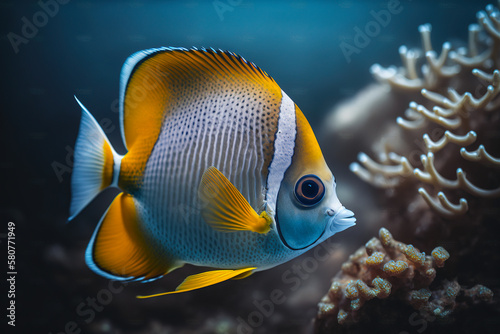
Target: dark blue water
[79, 49]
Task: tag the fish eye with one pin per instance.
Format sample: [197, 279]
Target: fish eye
[309, 190]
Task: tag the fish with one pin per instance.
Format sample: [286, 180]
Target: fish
[222, 170]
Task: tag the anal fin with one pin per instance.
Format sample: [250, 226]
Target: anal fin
[205, 279]
[243, 275]
[119, 248]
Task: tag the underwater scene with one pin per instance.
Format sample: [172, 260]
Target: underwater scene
[238, 166]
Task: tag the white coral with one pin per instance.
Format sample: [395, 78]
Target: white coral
[451, 111]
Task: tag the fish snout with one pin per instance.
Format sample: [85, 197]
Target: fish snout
[341, 219]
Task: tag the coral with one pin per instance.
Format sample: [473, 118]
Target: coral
[386, 268]
[434, 71]
[448, 116]
[443, 301]
[447, 144]
[377, 270]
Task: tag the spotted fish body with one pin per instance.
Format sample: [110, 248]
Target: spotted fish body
[212, 143]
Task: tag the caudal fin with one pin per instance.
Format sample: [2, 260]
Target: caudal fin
[96, 164]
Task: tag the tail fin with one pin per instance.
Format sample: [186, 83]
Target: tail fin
[96, 164]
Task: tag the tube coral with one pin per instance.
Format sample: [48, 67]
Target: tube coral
[452, 117]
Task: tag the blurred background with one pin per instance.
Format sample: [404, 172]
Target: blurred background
[53, 50]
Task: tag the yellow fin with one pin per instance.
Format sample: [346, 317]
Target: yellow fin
[202, 280]
[119, 248]
[243, 275]
[224, 207]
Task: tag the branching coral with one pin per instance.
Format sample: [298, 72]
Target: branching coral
[385, 267]
[460, 117]
[407, 77]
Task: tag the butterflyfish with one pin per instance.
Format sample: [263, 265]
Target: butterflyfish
[222, 170]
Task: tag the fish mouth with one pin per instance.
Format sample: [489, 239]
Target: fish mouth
[343, 219]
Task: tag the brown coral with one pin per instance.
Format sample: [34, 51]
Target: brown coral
[385, 267]
[443, 301]
[377, 270]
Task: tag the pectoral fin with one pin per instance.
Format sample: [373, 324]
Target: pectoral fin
[224, 207]
[202, 280]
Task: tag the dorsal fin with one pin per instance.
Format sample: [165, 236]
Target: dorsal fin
[161, 68]
[155, 82]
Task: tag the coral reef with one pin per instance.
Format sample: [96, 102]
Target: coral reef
[386, 268]
[436, 172]
[447, 115]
